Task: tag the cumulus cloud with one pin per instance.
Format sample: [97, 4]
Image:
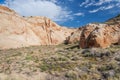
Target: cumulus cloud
[79, 14]
[48, 8]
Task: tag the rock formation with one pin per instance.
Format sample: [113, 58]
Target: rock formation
[49, 32]
[96, 35]
[74, 37]
[85, 33]
[115, 20]
[17, 31]
[104, 36]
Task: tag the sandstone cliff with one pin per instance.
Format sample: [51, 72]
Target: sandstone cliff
[96, 35]
[74, 38]
[17, 31]
[48, 31]
[104, 36]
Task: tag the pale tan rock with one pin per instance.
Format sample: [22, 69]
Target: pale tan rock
[101, 35]
[85, 33]
[104, 36]
[48, 31]
[17, 31]
[74, 37]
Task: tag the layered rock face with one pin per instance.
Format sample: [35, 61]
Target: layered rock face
[49, 32]
[104, 36]
[17, 31]
[96, 35]
[74, 37]
[86, 31]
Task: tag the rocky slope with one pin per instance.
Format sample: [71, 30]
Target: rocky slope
[49, 32]
[74, 37]
[17, 31]
[114, 20]
[97, 34]
[104, 36]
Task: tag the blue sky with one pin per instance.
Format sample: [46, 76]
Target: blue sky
[71, 13]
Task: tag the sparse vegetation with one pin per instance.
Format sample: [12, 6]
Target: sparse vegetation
[114, 20]
[62, 62]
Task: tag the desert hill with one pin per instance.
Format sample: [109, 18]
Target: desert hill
[17, 31]
[20, 31]
[114, 20]
[37, 52]
[97, 34]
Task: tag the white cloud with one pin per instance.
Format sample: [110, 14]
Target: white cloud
[100, 4]
[88, 3]
[93, 11]
[47, 8]
[54, 1]
[84, 3]
[118, 4]
[102, 8]
[79, 14]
